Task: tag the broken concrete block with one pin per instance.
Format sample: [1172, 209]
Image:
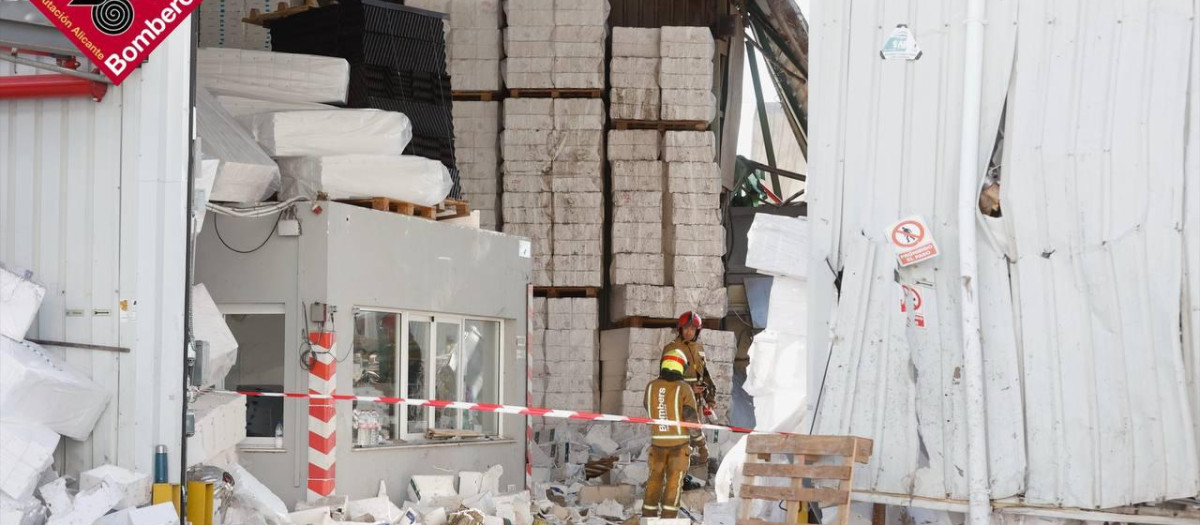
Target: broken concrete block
[38, 389]
[133, 486]
[20, 299]
[25, 452]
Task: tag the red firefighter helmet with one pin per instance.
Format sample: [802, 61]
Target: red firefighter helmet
[690, 318]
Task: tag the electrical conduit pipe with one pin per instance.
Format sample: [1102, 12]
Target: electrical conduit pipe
[979, 509]
[50, 86]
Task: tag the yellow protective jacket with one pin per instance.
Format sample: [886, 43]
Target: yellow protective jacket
[672, 401]
[697, 368]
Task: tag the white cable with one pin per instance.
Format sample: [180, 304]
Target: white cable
[257, 210]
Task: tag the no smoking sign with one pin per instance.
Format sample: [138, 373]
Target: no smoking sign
[912, 241]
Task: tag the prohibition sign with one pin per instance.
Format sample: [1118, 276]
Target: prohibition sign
[908, 234]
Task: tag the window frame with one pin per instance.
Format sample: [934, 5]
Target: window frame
[404, 318]
[262, 443]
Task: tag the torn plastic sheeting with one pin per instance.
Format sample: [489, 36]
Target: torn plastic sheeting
[36, 388]
[287, 76]
[332, 132]
[25, 452]
[209, 325]
[412, 179]
[246, 173]
[20, 299]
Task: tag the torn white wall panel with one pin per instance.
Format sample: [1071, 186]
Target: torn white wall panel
[1071, 330]
[286, 76]
[20, 299]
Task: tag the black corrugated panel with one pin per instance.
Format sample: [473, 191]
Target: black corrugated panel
[397, 58]
[659, 13]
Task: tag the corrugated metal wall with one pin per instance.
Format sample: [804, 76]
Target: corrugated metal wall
[1072, 339]
[92, 200]
[659, 13]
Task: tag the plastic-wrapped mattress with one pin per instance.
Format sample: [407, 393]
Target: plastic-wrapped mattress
[331, 132]
[279, 76]
[239, 106]
[416, 180]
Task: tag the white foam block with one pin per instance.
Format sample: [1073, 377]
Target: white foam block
[635, 175]
[637, 206]
[475, 44]
[641, 300]
[637, 268]
[528, 113]
[637, 237]
[692, 271]
[286, 76]
[573, 184]
[331, 132]
[684, 41]
[133, 486]
[38, 389]
[634, 144]
[475, 74]
[578, 239]
[531, 208]
[698, 240]
[776, 245]
[578, 114]
[245, 173]
[577, 270]
[520, 80]
[695, 208]
[220, 426]
[708, 302]
[592, 16]
[704, 112]
[535, 16]
[239, 106]
[578, 208]
[408, 178]
[578, 146]
[538, 233]
[636, 42]
[25, 452]
[694, 177]
[634, 103]
[689, 146]
[20, 299]
[522, 183]
[425, 488]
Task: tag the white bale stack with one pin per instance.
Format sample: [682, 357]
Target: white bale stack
[686, 73]
[629, 361]
[526, 143]
[529, 44]
[637, 195]
[221, 24]
[720, 348]
[477, 151]
[633, 77]
[579, 33]
[566, 371]
[638, 300]
[577, 185]
[473, 41]
[693, 222]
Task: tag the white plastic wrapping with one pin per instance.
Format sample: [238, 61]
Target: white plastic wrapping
[246, 173]
[38, 389]
[331, 132]
[20, 299]
[240, 106]
[407, 178]
[281, 76]
[778, 245]
[209, 325]
[25, 452]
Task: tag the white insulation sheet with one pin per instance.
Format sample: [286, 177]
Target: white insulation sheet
[417, 180]
[1087, 390]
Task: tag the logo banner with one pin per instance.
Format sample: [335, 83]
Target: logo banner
[116, 35]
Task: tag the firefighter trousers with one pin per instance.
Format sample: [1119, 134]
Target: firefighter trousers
[668, 466]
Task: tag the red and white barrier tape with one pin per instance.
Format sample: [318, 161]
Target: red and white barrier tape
[504, 409]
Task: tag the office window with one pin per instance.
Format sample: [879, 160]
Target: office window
[422, 356]
[260, 364]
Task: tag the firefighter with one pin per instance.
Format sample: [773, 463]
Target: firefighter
[670, 398]
[696, 373]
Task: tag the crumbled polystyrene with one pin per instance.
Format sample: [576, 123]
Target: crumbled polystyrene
[88, 506]
[38, 389]
[246, 173]
[134, 487]
[407, 178]
[285, 76]
[331, 132]
[20, 299]
[251, 494]
[25, 452]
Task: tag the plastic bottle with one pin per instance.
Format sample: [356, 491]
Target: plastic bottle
[279, 435]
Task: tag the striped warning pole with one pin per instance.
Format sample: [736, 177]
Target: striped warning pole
[322, 420]
[529, 313]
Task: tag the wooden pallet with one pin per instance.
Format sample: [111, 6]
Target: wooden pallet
[395, 206]
[822, 460]
[477, 96]
[453, 209]
[661, 125]
[560, 292]
[282, 10]
[555, 93]
[656, 322]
